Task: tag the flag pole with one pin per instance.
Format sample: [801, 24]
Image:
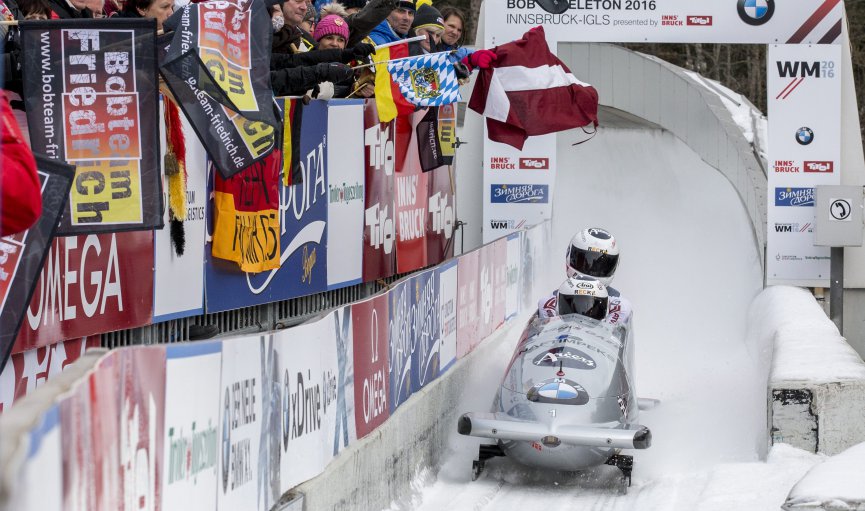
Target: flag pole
[399, 59]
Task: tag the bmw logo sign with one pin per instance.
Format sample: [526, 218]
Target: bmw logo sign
[756, 12]
[804, 135]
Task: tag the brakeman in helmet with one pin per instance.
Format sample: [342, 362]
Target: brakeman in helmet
[594, 253]
[582, 295]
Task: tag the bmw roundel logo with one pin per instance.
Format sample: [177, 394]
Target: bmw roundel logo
[804, 135]
[756, 12]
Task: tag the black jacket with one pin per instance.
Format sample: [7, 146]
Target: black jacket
[65, 11]
[293, 81]
[362, 22]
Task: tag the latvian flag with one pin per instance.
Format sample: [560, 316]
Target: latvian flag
[528, 91]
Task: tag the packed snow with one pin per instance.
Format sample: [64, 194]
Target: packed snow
[691, 268]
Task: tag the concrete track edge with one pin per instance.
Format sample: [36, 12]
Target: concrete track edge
[379, 469]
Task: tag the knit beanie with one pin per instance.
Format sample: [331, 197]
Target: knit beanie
[406, 4]
[331, 25]
[353, 4]
[427, 16]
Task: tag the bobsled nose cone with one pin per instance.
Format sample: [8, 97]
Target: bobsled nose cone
[464, 425]
[554, 6]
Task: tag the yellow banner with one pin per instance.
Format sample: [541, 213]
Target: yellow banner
[106, 192]
[251, 239]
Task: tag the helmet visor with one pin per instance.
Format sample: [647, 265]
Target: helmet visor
[585, 305]
[596, 264]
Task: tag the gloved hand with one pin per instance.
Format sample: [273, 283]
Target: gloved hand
[462, 52]
[481, 59]
[333, 72]
[361, 50]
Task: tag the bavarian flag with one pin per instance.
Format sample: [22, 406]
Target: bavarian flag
[388, 99]
[427, 80]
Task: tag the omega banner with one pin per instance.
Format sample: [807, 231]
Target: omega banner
[518, 186]
[91, 95]
[804, 151]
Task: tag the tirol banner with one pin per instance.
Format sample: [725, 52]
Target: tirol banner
[33, 368]
[402, 343]
[668, 21]
[804, 152]
[441, 217]
[91, 95]
[345, 197]
[191, 445]
[89, 285]
[302, 230]
[218, 67]
[241, 423]
[23, 254]
[379, 231]
[410, 197]
[371, 374]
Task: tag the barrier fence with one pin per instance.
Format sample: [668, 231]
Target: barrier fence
[353, 225]
[236, 423]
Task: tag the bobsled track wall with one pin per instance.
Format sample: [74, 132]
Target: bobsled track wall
[239, 423]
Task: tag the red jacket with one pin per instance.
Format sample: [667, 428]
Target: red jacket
[20, 194]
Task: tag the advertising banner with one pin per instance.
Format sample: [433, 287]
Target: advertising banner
[513, 258]
[39, 483]
[90, 439]
[91, 95]
[219, 72]
[303, 234]
[191, 446]
[402, 341]
[411, 207]
[490, 316]
[379, 231]
[242, 423]
[22, 255]
[804, 151]
[337, 362]
[667, 21]
[500, 280]
[304, 388]
[425, 325]
[447, 277]
[518, 185]
[441, 205]
[345, 194]
[28, 370]
[89, 285]
[141, 382]
[468, 301]
[170, 300]
[371, 369]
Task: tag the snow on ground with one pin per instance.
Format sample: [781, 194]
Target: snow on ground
[691, 268]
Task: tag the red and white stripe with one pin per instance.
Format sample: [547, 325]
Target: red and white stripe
[529, 92]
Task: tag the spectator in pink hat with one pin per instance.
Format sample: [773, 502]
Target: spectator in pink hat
[332, 29]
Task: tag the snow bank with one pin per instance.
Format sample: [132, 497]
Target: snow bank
[817, 381]
[836, 484]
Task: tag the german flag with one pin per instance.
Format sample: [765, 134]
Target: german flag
[246, 227]
[291, 174]
[388, 99]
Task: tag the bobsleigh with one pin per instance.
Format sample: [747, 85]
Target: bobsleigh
[567, 400]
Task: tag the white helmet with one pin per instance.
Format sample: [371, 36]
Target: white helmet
[593, 252]
[583, 295]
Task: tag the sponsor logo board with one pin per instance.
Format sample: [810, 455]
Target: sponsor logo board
[519, 194]
[794, 197]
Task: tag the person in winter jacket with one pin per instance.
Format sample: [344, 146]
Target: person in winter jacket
[397, 24]
[69, 9]
[428, 22]
[362, 22]
[157, 9]
[331, 33]
[20, 195]
[292, 38]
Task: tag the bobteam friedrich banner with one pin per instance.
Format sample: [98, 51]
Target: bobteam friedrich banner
[22, 255]
[91, 95]
[218, 67]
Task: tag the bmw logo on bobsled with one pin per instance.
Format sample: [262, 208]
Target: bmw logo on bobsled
[567, 401]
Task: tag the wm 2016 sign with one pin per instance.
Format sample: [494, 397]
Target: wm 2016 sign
[672, 21]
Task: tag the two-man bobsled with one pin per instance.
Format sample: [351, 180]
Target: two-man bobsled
[567, 401]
